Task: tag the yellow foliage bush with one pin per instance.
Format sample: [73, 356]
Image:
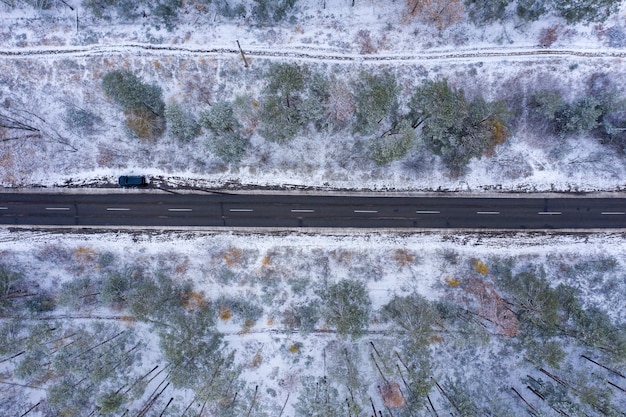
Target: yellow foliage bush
[480, 267]
[233, 256]
[83, 254]
[225, 314]
[451, 281]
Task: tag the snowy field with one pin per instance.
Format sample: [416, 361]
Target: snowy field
[51, 67]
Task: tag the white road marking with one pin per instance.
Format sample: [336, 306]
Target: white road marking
[488, 212]
[613, 213]
[179, 209]
[4, 208]
[117, 209]
[57, 208]
[549, 213]
[427, 212]
[240, 210]
[366, 211]
[302, 211]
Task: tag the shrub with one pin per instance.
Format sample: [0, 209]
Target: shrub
[455, 128]
[41, 303]
[78, 292]
[481, 12]
[80, 120]
[228, 141]
[415, 315]
[126, 10]
[579, 117]
[346, 306]
[616, 37]
[181, 123]
[281, 107]
[394, 145]
[267, 11]
[142, 103]
[131, 92]
[247, 310]
[166, 11]
[375, 100]
[115, 287]
[530, 10]
[585, 11]
[280, 121]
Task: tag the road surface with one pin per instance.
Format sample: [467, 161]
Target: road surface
[239, 210]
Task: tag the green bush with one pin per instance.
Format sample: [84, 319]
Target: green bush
[130, 92]
[375, 100]
[530, 10]
[268, 11]
[415, 315]
[142, 103]
[166, 11]
[585, 11]
[181, 123]
[394, 145]
[481, 11]
[80, 120]
[126, 10]
[228, 141]
[579, 117]
[346, 306]
[454, 127]
[281, 108]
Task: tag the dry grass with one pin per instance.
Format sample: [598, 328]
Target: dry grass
[196, 302]
[392, 396]
[224, 313]
[233, 256]
[480, 267]
[403, 257]
[257, 360]
[451, 281]
[83, 255]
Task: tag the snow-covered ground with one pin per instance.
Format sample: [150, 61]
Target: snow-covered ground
[49, 63]
[48, 66]
[283, 271]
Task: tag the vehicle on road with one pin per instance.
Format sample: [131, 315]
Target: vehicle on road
[132, 181]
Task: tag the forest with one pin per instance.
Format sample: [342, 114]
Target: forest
[225, 327]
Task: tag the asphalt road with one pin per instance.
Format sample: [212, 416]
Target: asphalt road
[148, 209]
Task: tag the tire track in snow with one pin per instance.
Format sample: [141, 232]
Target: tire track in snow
[313, 55]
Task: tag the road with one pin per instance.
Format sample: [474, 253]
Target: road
[282, 210]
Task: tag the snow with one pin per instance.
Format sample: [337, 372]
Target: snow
[317, 260]
[62, 68]
[46, 66]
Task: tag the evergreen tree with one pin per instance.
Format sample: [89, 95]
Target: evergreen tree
[376, 101]
[585, 11]
[227, 141]
[481, 12]
[394, 144]
[453, 127]
[346, 306]
[181, 123]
